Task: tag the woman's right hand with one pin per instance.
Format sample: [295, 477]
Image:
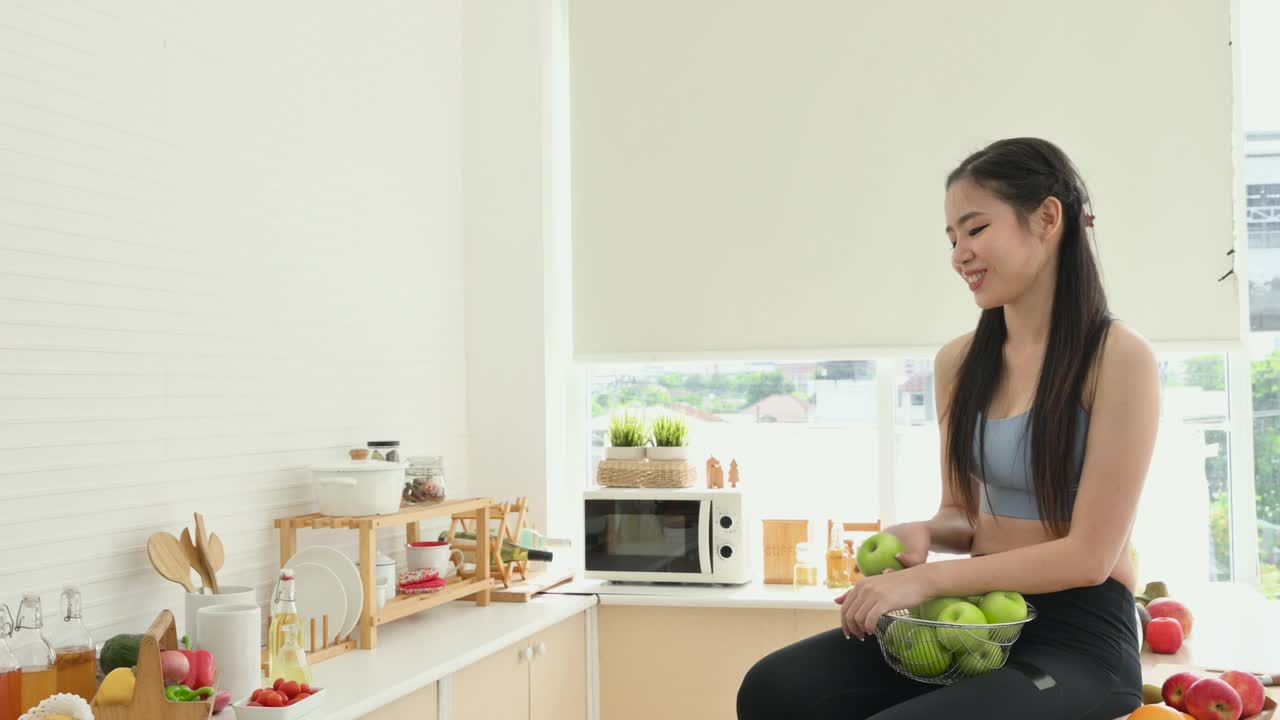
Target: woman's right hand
[916, 541]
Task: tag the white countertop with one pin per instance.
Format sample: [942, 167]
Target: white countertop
[418, 650]
[751, 595]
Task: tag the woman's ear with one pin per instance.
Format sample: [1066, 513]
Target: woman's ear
[1048, 220]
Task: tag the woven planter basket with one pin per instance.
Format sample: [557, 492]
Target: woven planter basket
[645, 473]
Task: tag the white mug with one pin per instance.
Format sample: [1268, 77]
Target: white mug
[442, 558]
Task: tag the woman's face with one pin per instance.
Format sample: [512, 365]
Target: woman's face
[992, 252]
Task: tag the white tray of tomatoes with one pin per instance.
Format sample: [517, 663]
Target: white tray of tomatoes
[283, 700]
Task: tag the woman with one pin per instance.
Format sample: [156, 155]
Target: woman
[1051, 408]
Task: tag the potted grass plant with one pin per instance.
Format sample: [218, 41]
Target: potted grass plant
[670, 439]
[627, 437]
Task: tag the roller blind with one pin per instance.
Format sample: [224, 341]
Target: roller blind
[768, 176]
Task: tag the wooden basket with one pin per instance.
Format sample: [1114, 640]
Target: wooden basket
[645, 473]
[149, 702]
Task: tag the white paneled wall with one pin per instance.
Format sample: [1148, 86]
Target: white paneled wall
[230, 246]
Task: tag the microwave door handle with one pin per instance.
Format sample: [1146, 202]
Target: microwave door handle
[704, 538]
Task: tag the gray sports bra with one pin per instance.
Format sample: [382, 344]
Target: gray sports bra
[1009, 482]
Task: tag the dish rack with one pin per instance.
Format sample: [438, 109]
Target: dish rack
[476, 587]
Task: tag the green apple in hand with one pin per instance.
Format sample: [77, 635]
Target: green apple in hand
[1003, 606]
[931, 609]
[980, 658]
[878, 552]
[962, 613]
[918, 648]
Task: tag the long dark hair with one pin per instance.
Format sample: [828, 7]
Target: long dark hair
[1024, 172]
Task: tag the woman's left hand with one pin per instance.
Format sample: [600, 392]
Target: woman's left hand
[864, 603]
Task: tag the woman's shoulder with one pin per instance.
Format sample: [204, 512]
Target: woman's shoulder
[1125, 358]
[947, 362]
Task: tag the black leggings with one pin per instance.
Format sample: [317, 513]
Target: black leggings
[1078, 660]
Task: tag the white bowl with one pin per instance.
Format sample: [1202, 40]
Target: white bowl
[289, 712]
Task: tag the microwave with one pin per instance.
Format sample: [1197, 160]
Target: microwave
[679, 535]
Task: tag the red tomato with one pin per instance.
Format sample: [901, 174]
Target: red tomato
[305, 688]
[272, 699]
[276, 685]
[290, 689]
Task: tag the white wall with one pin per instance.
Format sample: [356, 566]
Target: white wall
[520, 386]
[230, 246]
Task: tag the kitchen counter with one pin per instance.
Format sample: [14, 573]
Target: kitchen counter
[418, 650]
[752, 595]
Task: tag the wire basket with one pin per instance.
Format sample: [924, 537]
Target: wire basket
[944, 653]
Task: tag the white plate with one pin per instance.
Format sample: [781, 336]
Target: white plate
[346, 571]
[318, 592]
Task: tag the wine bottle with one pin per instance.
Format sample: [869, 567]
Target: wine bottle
[511, 552]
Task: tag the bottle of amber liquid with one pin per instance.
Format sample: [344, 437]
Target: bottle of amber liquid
[39, 677]
[10, 672]
[837, 558]
[73, 648]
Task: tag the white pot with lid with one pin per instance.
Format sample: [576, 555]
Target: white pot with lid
[359, 487]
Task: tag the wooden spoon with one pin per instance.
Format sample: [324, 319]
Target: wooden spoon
[168, 558]
[193, 557]
[202, 549]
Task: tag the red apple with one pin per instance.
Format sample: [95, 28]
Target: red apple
[1167, 607]
[1175, 688]
[1164, 635]
[1212, 699]
[1252, 694]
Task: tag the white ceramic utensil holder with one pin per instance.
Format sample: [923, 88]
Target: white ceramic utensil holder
[230, 595]
[232, 633]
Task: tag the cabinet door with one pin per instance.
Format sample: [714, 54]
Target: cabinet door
[558, 673]
[497, 686]
[676, 663]
[812, 622]
[419, 705]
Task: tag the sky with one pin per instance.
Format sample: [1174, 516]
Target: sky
[1260, 63]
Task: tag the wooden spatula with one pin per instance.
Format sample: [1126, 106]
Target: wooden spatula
[168, 558]
[216, 556]
[202, 549]
[193, 557]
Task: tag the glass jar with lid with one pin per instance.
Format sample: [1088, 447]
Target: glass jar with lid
[806, 567]
[424, 479]
[388, 450]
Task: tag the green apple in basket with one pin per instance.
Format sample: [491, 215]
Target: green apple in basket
[878, 552]
[962, 613]
[1003, 606]
[918, 648]
[931, 609]
[980, 658]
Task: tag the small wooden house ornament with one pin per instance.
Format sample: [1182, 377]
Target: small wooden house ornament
[715, 474]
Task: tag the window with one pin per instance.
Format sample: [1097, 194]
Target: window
[804, 434]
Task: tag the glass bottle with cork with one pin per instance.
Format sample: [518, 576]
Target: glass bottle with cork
[838, 560]
[10, 671]
[73, 649]
[285, 655]
[39, 678]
